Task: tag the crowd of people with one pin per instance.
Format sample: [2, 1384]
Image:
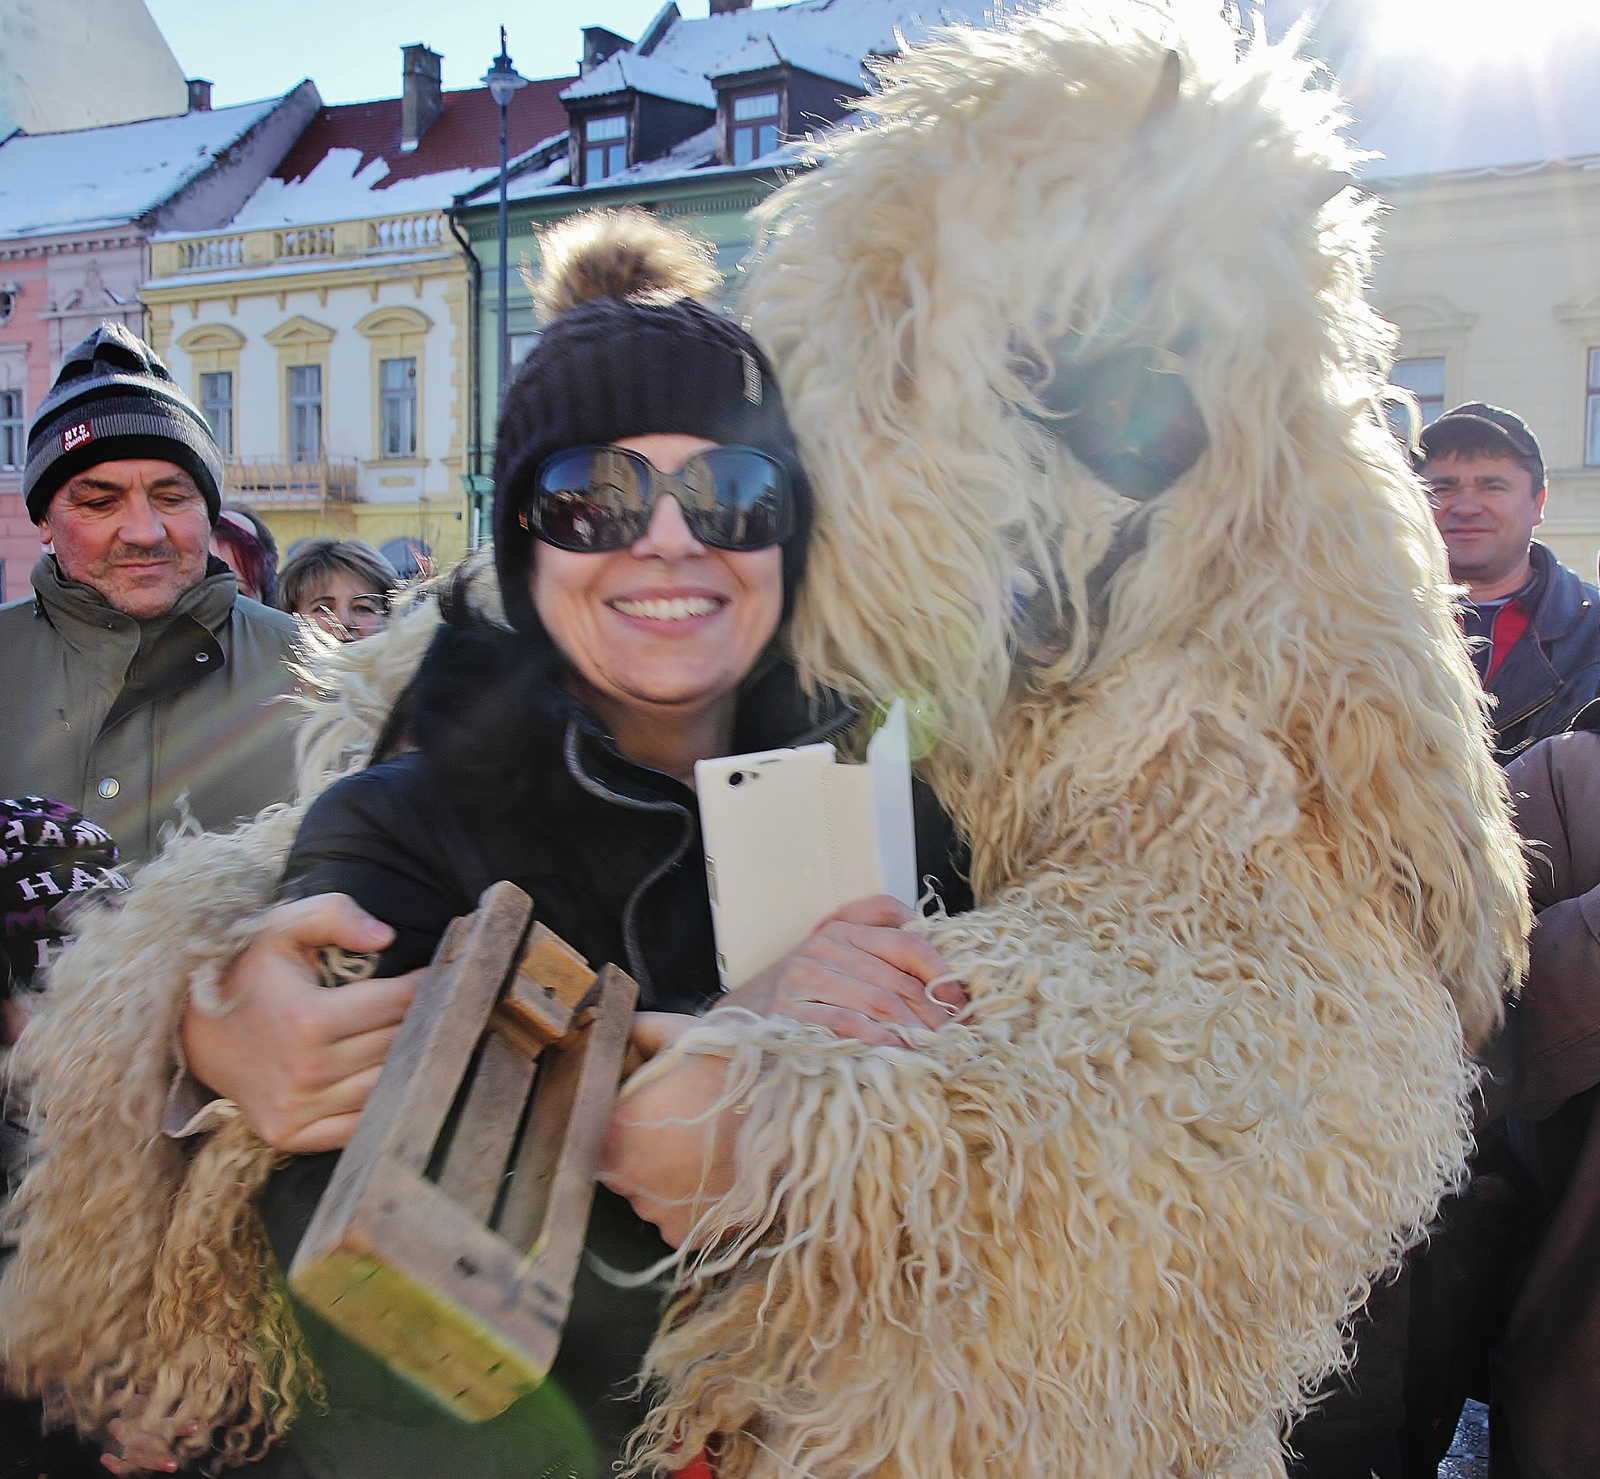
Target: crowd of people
[549, 737]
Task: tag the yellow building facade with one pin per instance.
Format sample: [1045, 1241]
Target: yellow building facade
[331, 363]
[1493, 278]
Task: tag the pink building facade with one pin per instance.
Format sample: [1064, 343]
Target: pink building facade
[57, 290]
[79, 209]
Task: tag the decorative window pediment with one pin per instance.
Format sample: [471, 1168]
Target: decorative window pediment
[297, 331]
[394, 319]
[205, 337]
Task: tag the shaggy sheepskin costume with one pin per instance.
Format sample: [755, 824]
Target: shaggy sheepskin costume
[1247, 886]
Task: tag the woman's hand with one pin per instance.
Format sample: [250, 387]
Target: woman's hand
[140, 1452]
[298, 1058]
[661, 1151]
[859, 975]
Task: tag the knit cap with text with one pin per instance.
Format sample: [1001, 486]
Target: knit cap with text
[52, 859]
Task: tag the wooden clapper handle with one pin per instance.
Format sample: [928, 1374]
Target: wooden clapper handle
[449, 1237]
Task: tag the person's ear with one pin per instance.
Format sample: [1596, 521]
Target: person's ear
[1538, 503]
[45, 536]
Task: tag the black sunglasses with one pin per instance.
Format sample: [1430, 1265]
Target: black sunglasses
[594, 499]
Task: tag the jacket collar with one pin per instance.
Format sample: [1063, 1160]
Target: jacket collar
[1562, 603]
[81, 614]
[1527, 680]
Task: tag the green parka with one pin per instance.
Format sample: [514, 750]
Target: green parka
[122, 718]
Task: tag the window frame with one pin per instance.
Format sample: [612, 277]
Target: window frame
[223, 434]
[1591, 409]
[404, 397]
[1436, 402]
[302, 403]
[14, 429]
[754, 127]
[607, 145]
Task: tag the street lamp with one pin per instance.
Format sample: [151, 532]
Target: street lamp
[503, 83]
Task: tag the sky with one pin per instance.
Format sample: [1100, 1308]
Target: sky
[351, 48]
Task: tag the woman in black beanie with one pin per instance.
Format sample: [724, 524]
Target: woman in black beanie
[651, 519]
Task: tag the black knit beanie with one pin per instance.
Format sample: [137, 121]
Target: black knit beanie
[115, 399]
[627, 353]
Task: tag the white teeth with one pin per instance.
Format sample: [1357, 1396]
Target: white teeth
[677, 608]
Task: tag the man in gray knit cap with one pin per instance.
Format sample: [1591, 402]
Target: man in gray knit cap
[136, 680]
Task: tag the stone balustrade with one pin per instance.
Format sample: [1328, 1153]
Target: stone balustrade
[414, 231]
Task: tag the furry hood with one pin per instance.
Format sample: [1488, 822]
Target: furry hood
[1129, 227]
[1073, 337]
[1081, 286]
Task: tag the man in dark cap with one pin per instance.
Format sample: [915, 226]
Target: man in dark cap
[136, 681]
[1534, 626]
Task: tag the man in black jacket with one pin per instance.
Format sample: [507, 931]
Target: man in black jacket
[1534, 626]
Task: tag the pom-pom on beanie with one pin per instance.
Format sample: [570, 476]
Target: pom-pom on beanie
[629, 350]
[114, 399]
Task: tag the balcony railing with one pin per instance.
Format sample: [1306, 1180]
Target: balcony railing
[309, 241]
[211, 253]
[401, 233]
[293, 484]
[348, 241]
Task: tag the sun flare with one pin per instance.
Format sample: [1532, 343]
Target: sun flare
[1467, 33]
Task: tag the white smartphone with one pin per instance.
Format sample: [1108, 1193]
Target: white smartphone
[765, 825]
[790, 836]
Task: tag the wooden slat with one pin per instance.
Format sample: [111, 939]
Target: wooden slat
[408, 1268]
[439, 1298]
[554, 1175]
[423, 1071]
[481, 1146]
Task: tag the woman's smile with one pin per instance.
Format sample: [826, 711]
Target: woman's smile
[668, 608]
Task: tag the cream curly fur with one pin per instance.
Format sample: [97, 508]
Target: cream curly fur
[1244, 866]
[141, 1286]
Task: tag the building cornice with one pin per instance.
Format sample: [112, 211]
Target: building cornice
[692, 193]
[21, 248]
[1556, 173]
[322, 281]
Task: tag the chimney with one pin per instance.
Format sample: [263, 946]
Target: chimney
[727, 7]
[598, 44]
[199, 95]
[421, 101]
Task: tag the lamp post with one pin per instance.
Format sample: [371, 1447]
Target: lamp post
[503, 84]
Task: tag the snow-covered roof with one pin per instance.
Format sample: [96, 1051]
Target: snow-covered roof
[349, 163]
[827, 37]
[97, 177]
[540, 180]
[693, 154]
[1433, 104]
[763, 51]
[853, 28]
[627, 70]
[340, 189]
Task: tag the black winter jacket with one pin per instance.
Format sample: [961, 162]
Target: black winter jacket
[513, 778]
[1554, 669]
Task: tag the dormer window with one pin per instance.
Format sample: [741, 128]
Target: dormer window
[605, 147]
[753, 126]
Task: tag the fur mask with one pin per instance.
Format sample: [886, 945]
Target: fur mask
[1072, 337]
